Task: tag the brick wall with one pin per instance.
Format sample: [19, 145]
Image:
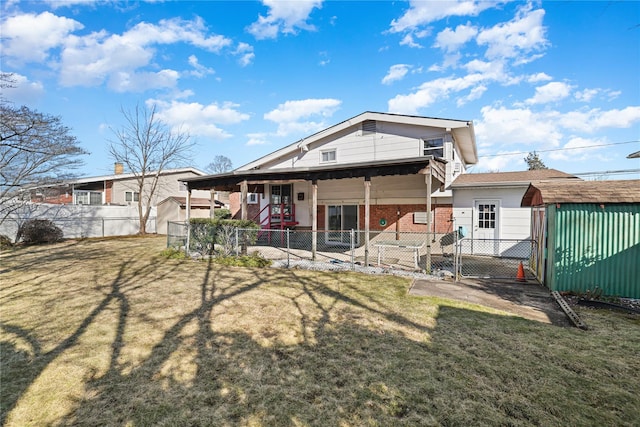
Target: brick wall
[234, 206]
[404, 222]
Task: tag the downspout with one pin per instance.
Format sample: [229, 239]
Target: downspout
[367, 215]
[314, 218]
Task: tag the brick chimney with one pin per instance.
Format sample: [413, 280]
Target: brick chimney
[118, 168]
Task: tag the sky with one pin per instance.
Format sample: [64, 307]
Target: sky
[247, 78]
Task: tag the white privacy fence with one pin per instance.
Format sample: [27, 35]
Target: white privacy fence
[80, 221]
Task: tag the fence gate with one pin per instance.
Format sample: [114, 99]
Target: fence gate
[494, 258]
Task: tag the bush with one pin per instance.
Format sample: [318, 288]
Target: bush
[5, 242]
[173, 253]
[208, 232]
[253, 260]
[35, 231]
[221, 214]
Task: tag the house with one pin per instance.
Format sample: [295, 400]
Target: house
[117, 189]
[487, 205]
[106, 197]
[590, 235]
[372, 172]
[174, 208]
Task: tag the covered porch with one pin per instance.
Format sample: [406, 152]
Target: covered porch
[280, 211]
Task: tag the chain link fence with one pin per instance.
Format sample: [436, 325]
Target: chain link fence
[438, 254]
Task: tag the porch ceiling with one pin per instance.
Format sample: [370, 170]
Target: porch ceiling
[230, 181]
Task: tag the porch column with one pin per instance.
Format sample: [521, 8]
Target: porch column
[244, 186]
[314, 219]
[367, 218]
[188, 219]
[429, 189]
[212, 204]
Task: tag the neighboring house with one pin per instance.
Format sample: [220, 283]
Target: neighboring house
[117, 189]
[372, 172]
[488, 204]
[175, 209]
[589, 233]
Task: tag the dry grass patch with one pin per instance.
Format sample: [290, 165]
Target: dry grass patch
[108, 332]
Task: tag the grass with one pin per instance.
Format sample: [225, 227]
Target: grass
[110, 332]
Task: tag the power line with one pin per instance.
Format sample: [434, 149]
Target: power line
[519, 153]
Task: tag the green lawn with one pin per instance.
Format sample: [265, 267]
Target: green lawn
[108, 332]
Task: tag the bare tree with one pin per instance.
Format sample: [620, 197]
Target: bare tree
[36, 149]
[220, 164]
[146, 147]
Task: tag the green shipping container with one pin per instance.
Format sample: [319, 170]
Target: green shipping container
[594, 246]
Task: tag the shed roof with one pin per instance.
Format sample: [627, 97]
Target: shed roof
[522, 178]
[196, 202]
[569, 191]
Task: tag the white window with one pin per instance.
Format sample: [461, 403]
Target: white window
[131, 196]
[87, 198]
[328, 156]
[433, 147]
[252, 198]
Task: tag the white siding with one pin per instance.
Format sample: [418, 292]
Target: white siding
[168, 185]
[514, 221]
[391, 141]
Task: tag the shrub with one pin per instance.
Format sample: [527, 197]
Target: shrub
[221, 214]
[173, 253]
[35, 231]
[5, 242]
[253, 260]
[207, 232]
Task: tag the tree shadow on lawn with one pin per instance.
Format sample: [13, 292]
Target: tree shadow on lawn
[341, 372]
[355, 375]
[32, 362]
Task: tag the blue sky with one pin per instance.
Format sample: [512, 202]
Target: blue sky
[247, 78]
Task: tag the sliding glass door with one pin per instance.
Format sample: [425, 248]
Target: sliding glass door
[341, 219]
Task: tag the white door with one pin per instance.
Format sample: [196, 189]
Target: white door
[486, 223]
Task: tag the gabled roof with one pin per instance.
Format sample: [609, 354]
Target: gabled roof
[569, 191]
[121, 176]
[501, 179]
[462, 131]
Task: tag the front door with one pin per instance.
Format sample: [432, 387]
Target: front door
[486, 226]
[281, 202]
[340, 220]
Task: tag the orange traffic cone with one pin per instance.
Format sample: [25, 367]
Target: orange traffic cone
[520, 277]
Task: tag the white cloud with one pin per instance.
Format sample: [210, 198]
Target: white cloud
[199, 119]
[551, 92]
[30, 37]
[23, 91]
[92, 59]
[579, 149]
[539, 77]
[396, 72]
[521, 36]
[256, 139]
[500, 162]
[431, 92]
[245, 52]
[595, 119]
[284, 17]
[295, 116]
[424, 12]
[199, 70]
[502, 126]
[450, 40]
[475, 93]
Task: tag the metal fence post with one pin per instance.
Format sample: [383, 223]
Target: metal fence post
[455, 255]
[288, 249]
[353, 249]
[237, 242]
